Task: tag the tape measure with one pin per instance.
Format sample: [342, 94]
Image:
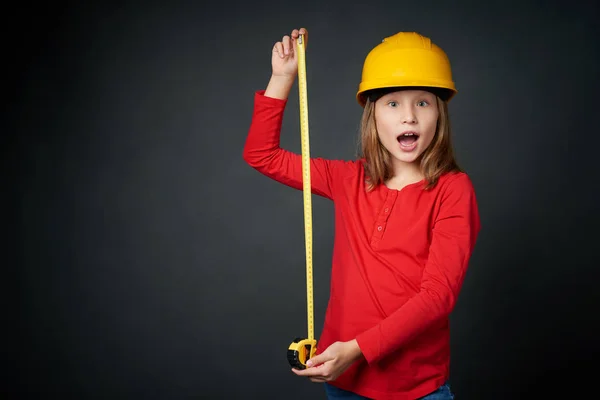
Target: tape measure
[303, 349]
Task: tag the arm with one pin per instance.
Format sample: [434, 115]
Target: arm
[262, 149]
[454, 234]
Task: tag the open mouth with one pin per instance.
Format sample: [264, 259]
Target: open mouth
[408, 139]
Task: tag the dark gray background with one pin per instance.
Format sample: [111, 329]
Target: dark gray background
[144, 259]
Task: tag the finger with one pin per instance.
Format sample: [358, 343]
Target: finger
[287, 44]
[297, 32]
[317, 360]
[304, 32]
[294, 37]
[278, 48]
[318, 380]
[304, 372]
[310, 372]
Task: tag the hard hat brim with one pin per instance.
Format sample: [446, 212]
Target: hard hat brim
[443, 92]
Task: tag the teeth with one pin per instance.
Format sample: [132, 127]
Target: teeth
[407, 135]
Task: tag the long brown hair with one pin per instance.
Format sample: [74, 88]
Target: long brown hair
[436, 160]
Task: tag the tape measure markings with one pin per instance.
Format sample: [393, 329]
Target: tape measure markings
[306, 183]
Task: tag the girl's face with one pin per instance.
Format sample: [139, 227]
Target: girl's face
[406, 123]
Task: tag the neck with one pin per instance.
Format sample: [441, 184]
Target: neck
[404, 174]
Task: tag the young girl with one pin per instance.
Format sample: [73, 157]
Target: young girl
[406, 221]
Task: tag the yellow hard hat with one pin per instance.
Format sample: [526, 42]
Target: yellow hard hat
[406, 59]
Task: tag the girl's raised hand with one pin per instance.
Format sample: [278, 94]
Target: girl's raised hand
[284, 61]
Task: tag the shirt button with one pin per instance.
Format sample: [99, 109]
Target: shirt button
[379, 228]
[387, 209]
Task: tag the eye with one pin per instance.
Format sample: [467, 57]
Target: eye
[422, 103]
[392, 103]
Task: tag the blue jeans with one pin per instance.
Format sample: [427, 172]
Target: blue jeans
[334, 393]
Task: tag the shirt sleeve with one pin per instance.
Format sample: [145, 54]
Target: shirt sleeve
[454, 234]
[262, 150]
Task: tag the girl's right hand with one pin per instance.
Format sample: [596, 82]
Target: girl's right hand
[284, 60]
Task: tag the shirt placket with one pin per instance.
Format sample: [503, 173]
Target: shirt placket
[382, 218]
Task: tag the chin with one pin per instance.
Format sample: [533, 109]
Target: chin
[407, 158]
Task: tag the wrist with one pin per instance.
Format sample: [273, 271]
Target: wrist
[284, 79]
[355, 351]
[279, 86]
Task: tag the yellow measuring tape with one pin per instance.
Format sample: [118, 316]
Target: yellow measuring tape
[302, 349]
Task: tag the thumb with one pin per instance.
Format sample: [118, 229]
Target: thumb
[316, 360]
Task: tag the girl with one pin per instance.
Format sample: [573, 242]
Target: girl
[406, 221]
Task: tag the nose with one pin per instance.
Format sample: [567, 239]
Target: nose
[408, 116]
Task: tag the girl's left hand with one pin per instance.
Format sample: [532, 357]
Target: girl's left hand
[330, 364]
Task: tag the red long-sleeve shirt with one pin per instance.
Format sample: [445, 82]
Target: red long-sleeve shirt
[399, 260]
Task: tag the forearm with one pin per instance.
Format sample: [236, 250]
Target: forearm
[279, 87]
[405, 324]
